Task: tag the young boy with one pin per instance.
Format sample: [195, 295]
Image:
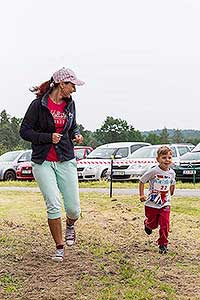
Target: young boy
[161, 180]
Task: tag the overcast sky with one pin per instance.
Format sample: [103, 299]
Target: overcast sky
[140, 59]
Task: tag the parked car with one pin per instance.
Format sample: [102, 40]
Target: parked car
[9, 162]
[96, 165]
[142, 160]
[24, 170]
[189, 167]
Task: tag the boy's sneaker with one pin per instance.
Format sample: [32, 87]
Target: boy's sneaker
[70, 235]
[59, 255]
[163, 249]
[147, 230]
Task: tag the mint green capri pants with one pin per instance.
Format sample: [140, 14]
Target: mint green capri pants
[54, 178]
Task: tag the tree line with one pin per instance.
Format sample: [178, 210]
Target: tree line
[112, 130]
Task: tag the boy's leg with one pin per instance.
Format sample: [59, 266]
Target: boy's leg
[151, 220]
[164, 226]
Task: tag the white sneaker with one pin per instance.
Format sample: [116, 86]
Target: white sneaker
[70, 235]
[59, 255]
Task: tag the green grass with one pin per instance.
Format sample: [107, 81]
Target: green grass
[113, 258]
[98, 184]
[9, 283]
[189, 208]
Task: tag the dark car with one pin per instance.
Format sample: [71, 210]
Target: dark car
[189, 167]
[10, 161]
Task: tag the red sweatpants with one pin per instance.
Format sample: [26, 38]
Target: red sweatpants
[155, 217]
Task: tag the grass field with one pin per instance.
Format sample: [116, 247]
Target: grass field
[113, 258]
[100, 184]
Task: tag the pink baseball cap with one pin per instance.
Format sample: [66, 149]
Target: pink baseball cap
[66, 75]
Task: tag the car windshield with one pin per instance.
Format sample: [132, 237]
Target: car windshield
[9, 156]
[145, 153]
[148, 152]
[191, 156]
[106, 153]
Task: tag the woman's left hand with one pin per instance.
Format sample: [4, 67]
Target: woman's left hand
[78, 138]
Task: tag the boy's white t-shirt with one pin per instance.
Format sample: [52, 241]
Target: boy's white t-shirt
[159, 186]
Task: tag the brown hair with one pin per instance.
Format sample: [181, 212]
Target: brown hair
[43, 87]
[163, 150]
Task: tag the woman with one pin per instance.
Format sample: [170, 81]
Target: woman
[50, 125]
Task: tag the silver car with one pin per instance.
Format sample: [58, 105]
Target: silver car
[9, 162]
[142, 160]
[95, 166]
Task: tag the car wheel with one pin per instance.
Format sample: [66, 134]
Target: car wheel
[104, 174]
[9, 175]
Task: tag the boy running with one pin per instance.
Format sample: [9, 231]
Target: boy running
[161, 181]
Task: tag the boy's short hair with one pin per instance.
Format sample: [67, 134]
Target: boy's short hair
[163, 150]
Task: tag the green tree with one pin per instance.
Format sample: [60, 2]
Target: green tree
[134, 135]
[89, 138]
[9, 133]
[177, 136]
[116, 130]
[193, 141]
[152, 138]
[5, 131]
[164, 136]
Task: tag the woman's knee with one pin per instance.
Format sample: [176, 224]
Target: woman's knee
[73, 213]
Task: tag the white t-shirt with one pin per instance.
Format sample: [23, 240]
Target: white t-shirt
[159, 186]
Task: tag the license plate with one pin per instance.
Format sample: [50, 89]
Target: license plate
[189, 172]
[118, 173]
[26, 172]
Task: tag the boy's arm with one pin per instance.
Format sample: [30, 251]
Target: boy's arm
[172, 189]
[141, 192]
[173, 184]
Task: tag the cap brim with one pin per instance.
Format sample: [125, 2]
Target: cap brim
[77, 82]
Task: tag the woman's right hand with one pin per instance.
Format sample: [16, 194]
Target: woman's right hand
[56, 137]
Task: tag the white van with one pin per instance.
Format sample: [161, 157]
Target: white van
[95, 166]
